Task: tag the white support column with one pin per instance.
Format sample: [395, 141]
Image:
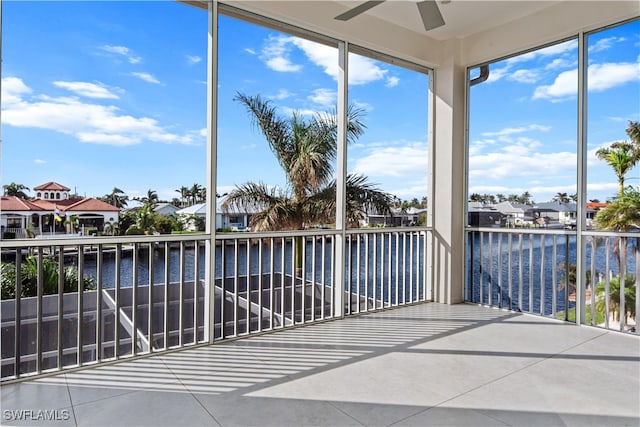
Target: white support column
[449, 166]
[581, 268]
[212, 144]
[341, 177]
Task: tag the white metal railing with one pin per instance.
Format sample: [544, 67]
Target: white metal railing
[147, 294]
[536, 271]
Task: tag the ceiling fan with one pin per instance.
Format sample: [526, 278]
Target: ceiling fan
[429, 11]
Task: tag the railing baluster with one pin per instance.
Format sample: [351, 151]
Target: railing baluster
[248, 285]
[181, 296]
[80, 304]
[40, 291]
[374, 291]
[366, 272]
[622, 244]
[303, 280]
[260, 283]
[593, 280]
[236, 293]
[490, 271]
[196, 291]
[510, 270]
[283, 267]
[99, 304]
[18, 315]
[481, 267]
[150, 297]
[116, 309]
[134, 301]
[60, 307]
[531, 241]
[272, 267]
[520, 273]
[167, 281]
[314, 243]
[554, 278]
[500, 270]
[542, 282]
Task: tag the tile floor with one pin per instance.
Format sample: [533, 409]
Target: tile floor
[428, 364]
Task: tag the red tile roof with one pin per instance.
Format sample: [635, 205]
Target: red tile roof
[85, 204]
[51, 186]
[89, 204]
[68, 205]
[13, 203]
[597, 205]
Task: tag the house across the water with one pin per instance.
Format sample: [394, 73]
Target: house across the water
[53, 211]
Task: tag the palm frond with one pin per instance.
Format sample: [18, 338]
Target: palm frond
[274, 129]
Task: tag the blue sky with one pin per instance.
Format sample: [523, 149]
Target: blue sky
[523, 122]
[97, 95]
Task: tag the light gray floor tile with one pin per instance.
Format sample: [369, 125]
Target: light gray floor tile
[454, 417]
[377, 414]
[36, 403]
[144, 408]
[233, 411]
[402, 378]
[557, 386]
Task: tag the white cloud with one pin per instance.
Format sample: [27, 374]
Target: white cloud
[556, 49]
[39, 161]
[123, 51]
[146, 77]
[87, 122]
[325, 97]
[600, 77]
[519, 161]
[193, 59]
[90, 90]
[276, 54]
[513, 131]
[560, 63]
[496, 74]
[250, 51]
[409, 159]
[282, 94]
[288, 112]
[604, 44]
[12, 90]
[392, 81]
[524, 76]
[527, 76]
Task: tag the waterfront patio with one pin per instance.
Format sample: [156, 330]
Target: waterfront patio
[425, 364]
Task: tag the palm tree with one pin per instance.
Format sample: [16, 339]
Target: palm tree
[151, 199]
[17, 190]
[184, 195]
[562, 198]
[305, 150]
[525, 198]
[633, 130]
[195, 192]
[116, 198]
[622, 157]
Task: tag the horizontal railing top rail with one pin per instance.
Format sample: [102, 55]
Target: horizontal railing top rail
[62, 240]
[101, 240]
[553, 231]
[532, 230]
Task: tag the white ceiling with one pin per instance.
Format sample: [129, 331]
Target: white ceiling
[462, 17]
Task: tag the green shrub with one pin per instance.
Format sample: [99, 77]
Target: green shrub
[29, 278]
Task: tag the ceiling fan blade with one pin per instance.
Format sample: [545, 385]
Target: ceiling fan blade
[430, 13]
[358, 10]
